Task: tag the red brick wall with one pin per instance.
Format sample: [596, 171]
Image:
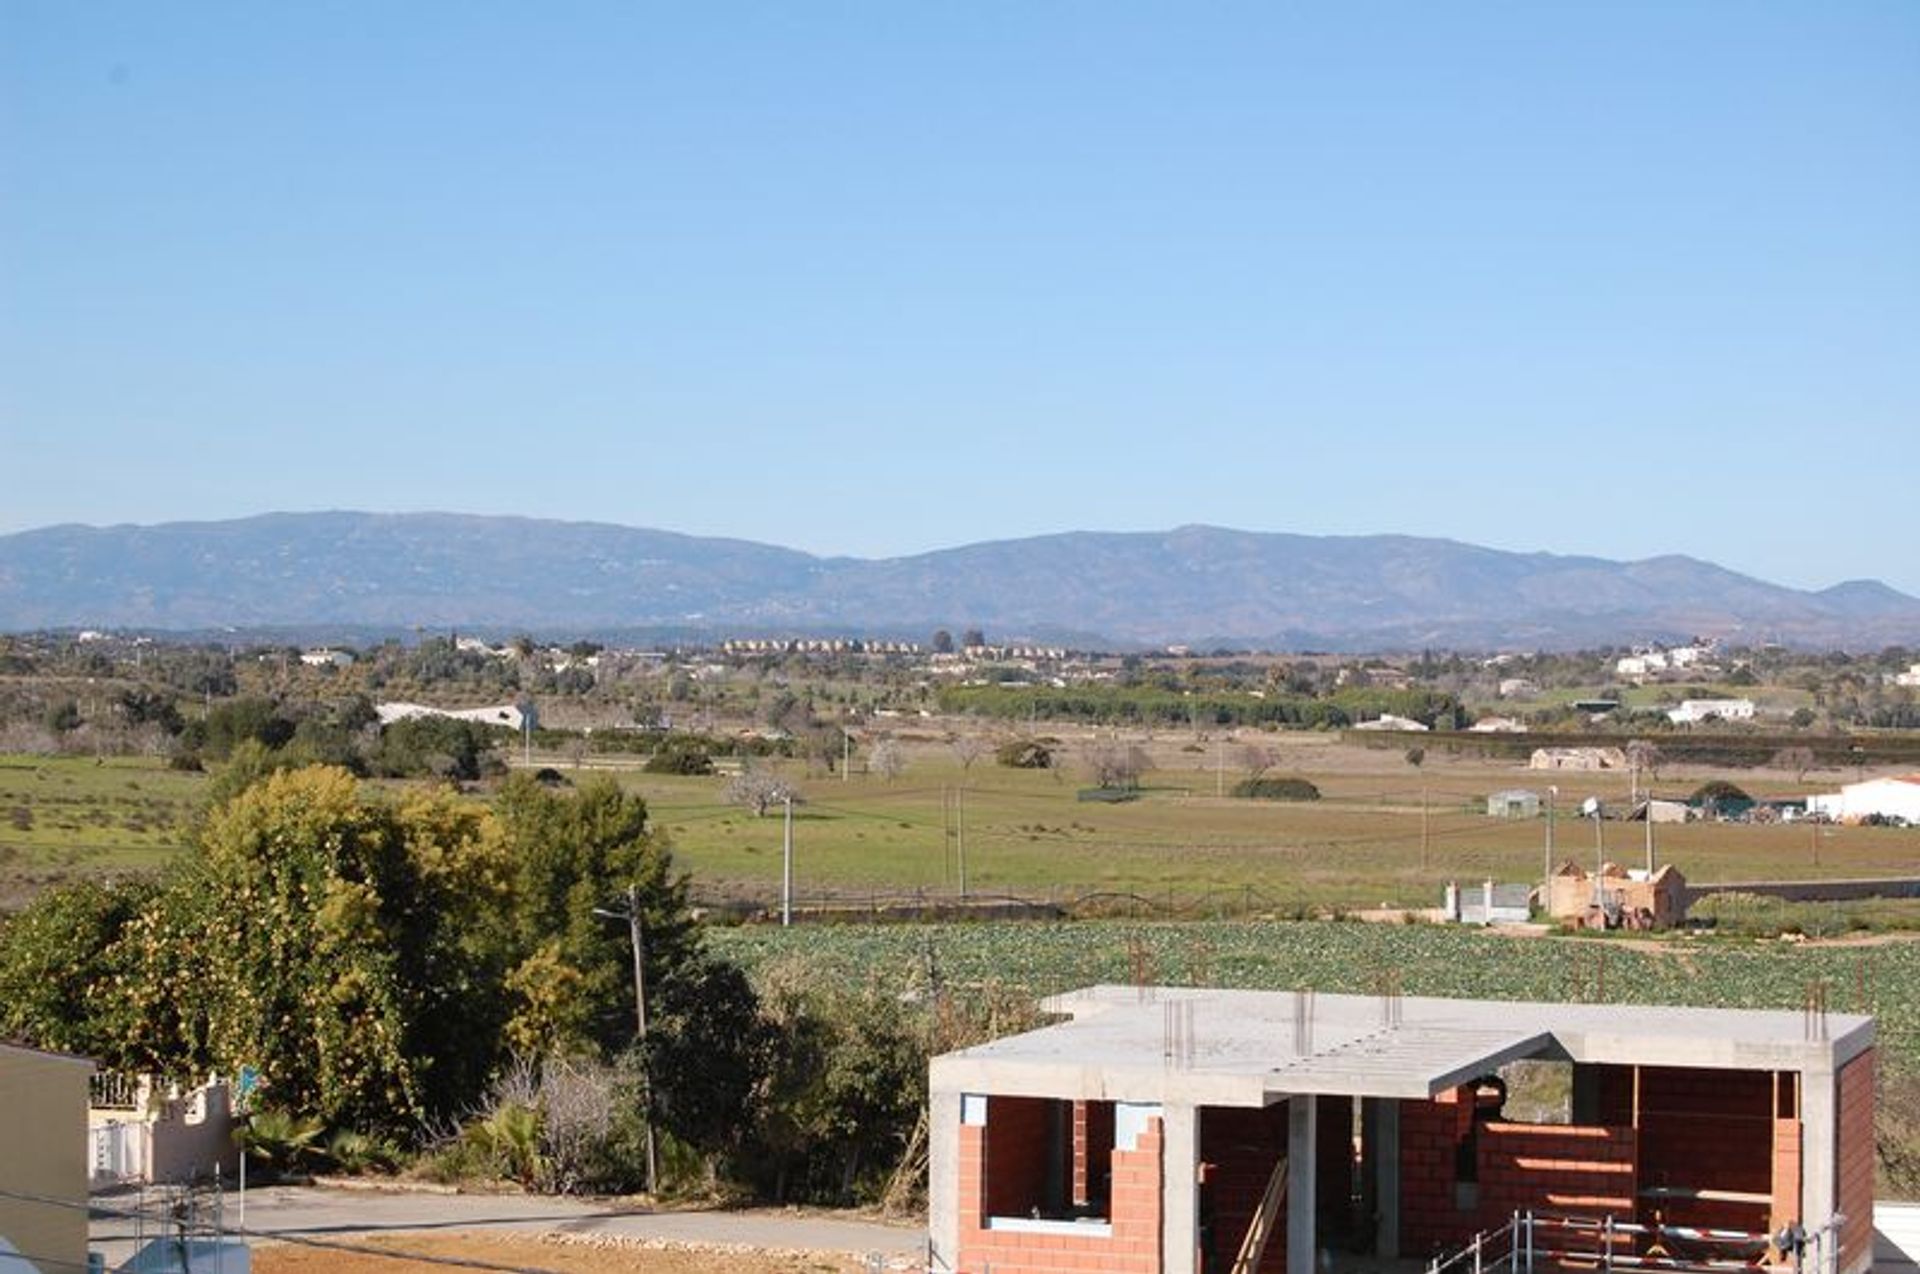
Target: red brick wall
[1555, 1168]
[1786, 1174]
[1133, 1247]
[1855, 1192]
[1430, 1134]
[1092, 1140]
[1584, 1170]
[1240, 1148]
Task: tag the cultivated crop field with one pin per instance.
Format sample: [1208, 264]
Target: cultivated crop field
[1351, 957]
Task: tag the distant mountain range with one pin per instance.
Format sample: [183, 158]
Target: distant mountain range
[1206, 586]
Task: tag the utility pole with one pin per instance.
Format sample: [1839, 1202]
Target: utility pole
[961, 826]
[1546, 881]
[1220, 768]
[636, 928]
[846, 753]
[1647, 813]
[1425, 836]
[786, 868]
[637, 932]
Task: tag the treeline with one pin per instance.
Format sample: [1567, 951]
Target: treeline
[425, 976]
[1157, 706]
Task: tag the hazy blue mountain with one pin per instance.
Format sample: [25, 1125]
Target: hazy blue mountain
[1197, 584]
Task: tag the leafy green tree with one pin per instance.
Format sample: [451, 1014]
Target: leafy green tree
[570, 854]
[708, 1051]
[331, 940]
[59, 965]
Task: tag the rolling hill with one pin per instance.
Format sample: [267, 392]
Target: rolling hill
[1196, 584]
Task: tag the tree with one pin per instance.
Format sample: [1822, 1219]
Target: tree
[1116, 764]
[707, 1053]
[942, 642]
[334, 941]
[1798, 759]
[758, 790]
[973, 637]
[58, 965]
[888, 759]
[1416, 757]
[966, 748]
[1257, 758]
[1644, 755]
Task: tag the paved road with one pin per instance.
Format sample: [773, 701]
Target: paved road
[322, 1211]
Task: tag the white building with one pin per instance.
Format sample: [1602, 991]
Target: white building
[512, 716]
[1387, 721]
[327, 657]
[1911, 677]
[1694, 711]
[1897, 797]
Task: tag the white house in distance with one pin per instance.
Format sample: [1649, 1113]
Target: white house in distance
[1694, 711]
[1897, 797]
[1911, 677]
[327, 657]
[1387, 721]
[512, 716]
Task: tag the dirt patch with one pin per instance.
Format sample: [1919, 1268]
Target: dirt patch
[549, 1254]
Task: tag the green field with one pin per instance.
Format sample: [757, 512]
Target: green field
[1362, 845]
[62, 817]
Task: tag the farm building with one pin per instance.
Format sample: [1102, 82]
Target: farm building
[1163, 1130]
[43, 1160]
[512, 716]
[1694, 711]
[1888, 798]
[1515, 802]
[1577, 759]
[1622, 897]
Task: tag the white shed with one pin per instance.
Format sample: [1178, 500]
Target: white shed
[1897, 797]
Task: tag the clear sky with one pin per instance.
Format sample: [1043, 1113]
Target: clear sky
[1621, 278]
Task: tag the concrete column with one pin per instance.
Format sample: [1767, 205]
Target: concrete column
[1180, 1189]
[1381, 1142]
[943, 1179]
[1819, 1146]
[1302, 1142]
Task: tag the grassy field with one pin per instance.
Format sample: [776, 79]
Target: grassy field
[1385, 832]
[62, 817]
[1361, 845]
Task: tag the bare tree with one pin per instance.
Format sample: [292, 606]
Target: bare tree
[759, 790]
[1798, 759]
[1643, 754]
[1116, 764]
[887, 759]
[1257, 758]
[966, 748]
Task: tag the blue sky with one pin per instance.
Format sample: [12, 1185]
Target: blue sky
[874, 278]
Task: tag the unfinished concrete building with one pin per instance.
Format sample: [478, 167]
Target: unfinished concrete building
[1187, 1131]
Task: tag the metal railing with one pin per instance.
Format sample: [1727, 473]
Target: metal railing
[1530, 1240]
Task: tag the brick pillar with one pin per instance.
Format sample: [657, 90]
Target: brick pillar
[1081, 1196]
[1786, 1173]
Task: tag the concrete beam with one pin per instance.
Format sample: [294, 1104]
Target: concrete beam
[1819, 1146]
[1180, 1189]
[1381, 1144]
[1302, 1142]
[943, 1179]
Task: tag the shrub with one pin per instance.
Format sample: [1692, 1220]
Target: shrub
[1291, 789]
[680, 756]
[1719, 792]
[1024, 754]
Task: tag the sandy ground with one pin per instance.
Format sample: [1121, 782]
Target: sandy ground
[554, 1254]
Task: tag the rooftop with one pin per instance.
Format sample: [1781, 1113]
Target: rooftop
[1249, 1048]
